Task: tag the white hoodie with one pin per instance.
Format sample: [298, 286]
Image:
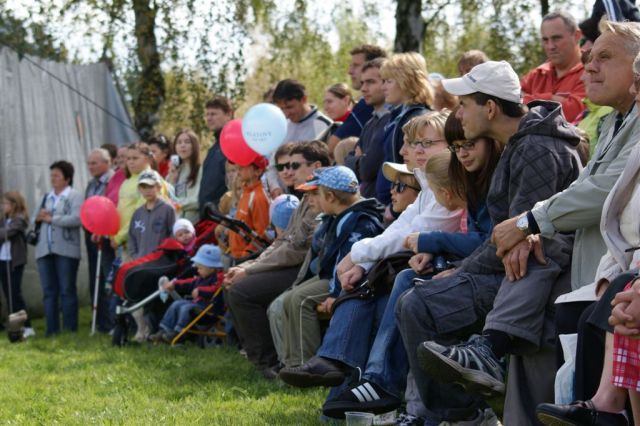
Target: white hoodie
[425, 214]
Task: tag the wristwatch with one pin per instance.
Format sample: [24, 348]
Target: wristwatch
[523, 224]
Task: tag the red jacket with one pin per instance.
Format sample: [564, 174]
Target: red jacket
[542, 83]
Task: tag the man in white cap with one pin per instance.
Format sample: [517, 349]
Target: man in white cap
[539, 159]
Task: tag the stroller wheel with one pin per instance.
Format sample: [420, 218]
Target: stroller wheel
[120, 333]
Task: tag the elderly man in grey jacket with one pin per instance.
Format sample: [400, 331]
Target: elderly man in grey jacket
[512, 326]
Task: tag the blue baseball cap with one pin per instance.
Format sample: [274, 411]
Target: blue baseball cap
[282, 209]
[208, 255]
[338, 178]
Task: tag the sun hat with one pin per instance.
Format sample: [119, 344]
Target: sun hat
[208, 255]
[391, 171]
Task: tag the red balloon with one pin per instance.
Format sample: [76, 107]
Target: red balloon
[233, 145]
[99, 216]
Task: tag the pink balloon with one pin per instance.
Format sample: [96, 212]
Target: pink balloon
[99, 216]
[233, 145]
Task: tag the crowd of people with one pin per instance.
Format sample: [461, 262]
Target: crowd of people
[430, 240]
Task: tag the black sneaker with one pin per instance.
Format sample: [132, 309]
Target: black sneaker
[578, 413]
[318, 371]
[366, 397]
[473, 365]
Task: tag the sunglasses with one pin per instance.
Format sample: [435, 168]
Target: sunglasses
[399, 187]
[425, 143]
[454, 148]
[294, 165]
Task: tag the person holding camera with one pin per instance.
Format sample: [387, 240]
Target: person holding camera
[13, 252]
[58, 248]
[185, 174]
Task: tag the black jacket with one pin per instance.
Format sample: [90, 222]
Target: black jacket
[15, 233]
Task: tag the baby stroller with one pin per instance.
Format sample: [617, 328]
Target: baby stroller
[137, 281]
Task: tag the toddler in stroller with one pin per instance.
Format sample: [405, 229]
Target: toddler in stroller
[203, 289]
[136, 282]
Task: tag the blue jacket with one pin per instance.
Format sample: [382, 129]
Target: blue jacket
[362, 220]
[460, 244]
[393, 140]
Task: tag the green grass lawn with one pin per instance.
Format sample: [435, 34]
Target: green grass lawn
[78, 379]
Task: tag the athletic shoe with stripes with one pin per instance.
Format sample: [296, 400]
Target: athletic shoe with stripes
[365, 396]
[472, 364]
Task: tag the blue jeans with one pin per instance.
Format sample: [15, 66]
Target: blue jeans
[387, 365]
[351, 331]
[178, 316]
[58, 280]
[15, 278]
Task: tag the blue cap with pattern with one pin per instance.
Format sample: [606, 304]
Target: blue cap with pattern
[338, 178]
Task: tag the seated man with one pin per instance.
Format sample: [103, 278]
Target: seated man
[535, 141]
[252, 285]
[521, 321]
[558, 79]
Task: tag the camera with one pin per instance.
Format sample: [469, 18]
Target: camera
[175, 160]
[440, 264]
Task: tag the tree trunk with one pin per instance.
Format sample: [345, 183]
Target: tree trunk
[149, 93]
[544, 7]
[410, 26]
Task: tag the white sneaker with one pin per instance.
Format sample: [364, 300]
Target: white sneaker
[28, 332]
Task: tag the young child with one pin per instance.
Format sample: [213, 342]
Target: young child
[202, 289]
[281, 210]
[348, 218]
[153, 221]
[13, 252]
[185, 233]
[253, 207]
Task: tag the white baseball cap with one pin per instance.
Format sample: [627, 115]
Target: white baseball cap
[492, 78]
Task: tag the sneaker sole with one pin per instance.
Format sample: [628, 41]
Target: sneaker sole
[311, 380]
[444, 370]
[552, 420]
[336, 409]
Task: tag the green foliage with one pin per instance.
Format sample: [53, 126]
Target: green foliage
[296, 47]
[80, 380]
[28, 37]
[496, 27]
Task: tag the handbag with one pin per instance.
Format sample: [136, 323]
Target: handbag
[379, 280]
[33, 235]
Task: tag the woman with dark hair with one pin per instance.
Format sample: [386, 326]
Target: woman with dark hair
[186, 176]
[58, 248]
[161, 150]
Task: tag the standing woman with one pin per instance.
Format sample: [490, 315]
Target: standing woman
[187, 176]
[161, 150]
[58, 248]
[13, 252]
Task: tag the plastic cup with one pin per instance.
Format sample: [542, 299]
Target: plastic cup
[356, 418]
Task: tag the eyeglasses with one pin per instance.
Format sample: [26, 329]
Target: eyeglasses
[454, 148]
[425, 143]
[294, 165]
[399, 187]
